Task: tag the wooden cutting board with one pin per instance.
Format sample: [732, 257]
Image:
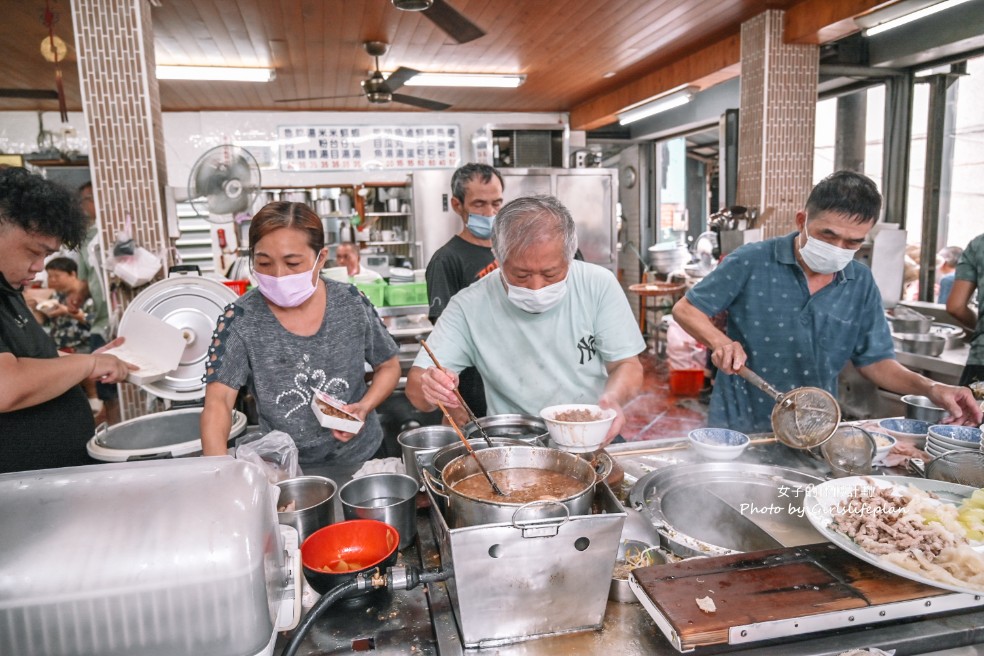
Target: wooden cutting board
[771, 587]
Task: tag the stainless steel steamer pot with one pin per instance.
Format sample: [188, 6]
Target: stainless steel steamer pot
[471, 511]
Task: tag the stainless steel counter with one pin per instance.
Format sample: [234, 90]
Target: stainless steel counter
[949, 363]
[419, 623]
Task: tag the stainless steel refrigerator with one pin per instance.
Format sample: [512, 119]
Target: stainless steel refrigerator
[589, 194]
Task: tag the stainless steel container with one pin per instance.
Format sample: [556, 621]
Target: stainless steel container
[297, 196]
[619, 590]
[441, 458]
[388, 498]
[471, 511]
[920, 407]
[514, 583]
[418, 444]
[516, 426]
[324, 206]
[919, 343]
[911, 324]
[435, 462]
[314, 506]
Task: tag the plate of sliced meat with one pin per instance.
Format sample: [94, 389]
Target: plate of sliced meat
[923, 530]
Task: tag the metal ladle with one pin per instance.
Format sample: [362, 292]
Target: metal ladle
[802, 418]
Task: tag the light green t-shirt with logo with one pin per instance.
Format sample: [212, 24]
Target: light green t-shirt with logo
[531, 361]
[970, 267]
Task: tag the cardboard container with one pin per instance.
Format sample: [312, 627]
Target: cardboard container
[352, 425]
[151, 344]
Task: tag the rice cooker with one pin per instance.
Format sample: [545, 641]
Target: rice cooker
[192, 304]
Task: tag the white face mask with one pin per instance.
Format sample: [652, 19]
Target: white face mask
[536, 301]
[822, 257]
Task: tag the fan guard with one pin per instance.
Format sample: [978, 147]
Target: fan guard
[223, 183]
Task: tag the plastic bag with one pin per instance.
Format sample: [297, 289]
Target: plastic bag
[381, 466]
[137, 269]
[275, 453]
[683, 351]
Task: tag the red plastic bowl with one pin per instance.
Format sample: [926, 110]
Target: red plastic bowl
[365, 543]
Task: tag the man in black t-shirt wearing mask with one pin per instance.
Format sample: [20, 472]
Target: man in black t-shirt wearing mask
[476, 196]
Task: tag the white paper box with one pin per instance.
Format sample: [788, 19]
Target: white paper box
[152, 345]
[352, 425]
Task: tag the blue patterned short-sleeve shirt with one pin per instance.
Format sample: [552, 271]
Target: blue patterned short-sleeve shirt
[792, 339]
[970, 267]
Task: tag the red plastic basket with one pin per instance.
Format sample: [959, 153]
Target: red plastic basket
[238, 286]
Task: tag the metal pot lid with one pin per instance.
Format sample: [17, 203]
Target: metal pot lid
[192, 304]
[714, 509]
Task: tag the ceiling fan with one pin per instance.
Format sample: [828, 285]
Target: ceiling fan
[380, 90]
[445, 17]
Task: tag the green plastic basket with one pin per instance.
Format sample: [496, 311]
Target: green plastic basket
[374, 291]
[410, 293]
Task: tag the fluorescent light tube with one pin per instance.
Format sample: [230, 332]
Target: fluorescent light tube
[669, 101]
[914, 16]
[216, 73]
[493, 80]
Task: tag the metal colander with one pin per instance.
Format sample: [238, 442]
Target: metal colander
[802, 418]
[962, 467]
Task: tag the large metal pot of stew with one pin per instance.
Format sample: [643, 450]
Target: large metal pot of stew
[539, 484]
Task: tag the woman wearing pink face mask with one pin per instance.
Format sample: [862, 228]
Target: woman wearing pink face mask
[293, 332]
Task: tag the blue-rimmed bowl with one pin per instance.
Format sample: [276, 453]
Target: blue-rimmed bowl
[909, 431]
[718, 443]
[966, 437]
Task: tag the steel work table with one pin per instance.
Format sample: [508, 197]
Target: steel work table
[420, 622]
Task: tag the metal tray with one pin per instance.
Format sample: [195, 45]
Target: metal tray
[714, 509]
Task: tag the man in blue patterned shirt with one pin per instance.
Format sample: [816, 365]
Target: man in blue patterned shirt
[799, 308]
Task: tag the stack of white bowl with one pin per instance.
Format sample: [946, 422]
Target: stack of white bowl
[943, 438]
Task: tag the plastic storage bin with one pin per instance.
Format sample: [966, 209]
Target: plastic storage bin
[410, 293]
[374, 291]
[148, 558]
[686, 382]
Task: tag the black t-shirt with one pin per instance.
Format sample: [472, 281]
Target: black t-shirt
[53, 433]
[453, 267]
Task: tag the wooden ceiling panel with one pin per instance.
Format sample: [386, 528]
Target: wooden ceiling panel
[564, 47]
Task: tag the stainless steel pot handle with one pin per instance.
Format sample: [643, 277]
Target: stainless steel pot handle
[556, 522]
[603, 465]
[435, 486]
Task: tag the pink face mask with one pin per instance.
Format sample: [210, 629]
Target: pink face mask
[287, 291]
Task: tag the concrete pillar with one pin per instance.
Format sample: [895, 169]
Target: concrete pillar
[776, 121]
[114, 40]
[850, 141]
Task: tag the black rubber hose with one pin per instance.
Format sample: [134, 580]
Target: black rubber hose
[317, 609]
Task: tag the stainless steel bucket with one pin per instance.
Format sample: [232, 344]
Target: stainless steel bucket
[421, 443]
[471, 511]
[388, 498]
[313, 498]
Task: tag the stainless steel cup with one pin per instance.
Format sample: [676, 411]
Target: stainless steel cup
[313, 498]
[423, 442]
[388, 498]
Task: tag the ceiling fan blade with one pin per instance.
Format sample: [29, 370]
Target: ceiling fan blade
[399, 77]
[454, 23]
[286, 100]
[39, 94]
[423, 103]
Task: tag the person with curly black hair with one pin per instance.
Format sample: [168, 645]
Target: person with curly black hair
[45, 417]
